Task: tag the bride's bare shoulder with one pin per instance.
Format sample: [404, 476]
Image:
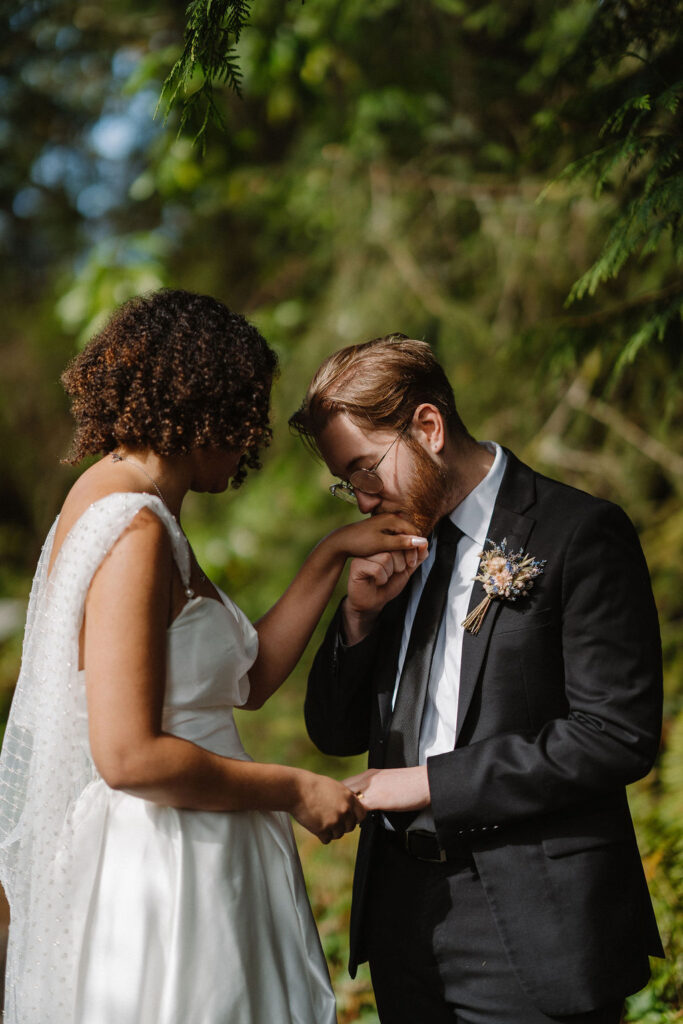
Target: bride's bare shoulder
[96, 482]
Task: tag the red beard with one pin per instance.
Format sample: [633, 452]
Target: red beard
[426, 498]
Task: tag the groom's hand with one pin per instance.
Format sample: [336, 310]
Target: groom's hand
[392, 789]
[372, 583]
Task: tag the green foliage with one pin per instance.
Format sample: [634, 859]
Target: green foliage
[644, 145]
[642, 160]
[643, 164]
[662, 834]
[209, 57]
[379, 172]
[116, 270]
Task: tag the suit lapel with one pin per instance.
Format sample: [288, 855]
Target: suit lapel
[517, 492]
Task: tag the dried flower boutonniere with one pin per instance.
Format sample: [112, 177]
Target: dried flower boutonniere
[506, 575]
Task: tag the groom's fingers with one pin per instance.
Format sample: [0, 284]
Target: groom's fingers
[399, 560]
[372, 571]
[377, 568]
[384, 565]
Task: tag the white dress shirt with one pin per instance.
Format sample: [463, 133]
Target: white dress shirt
[472, 516]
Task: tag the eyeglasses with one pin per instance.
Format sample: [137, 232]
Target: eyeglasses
[366, 480]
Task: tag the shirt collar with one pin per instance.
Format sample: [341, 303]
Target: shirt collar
[474, 512]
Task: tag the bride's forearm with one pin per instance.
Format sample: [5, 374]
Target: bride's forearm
[175, 772]
[285, 630]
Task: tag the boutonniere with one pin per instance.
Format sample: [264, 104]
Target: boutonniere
[506, 576]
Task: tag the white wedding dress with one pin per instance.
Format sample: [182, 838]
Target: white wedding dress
[124, 911]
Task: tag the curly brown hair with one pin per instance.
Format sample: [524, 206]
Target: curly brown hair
[173, 371]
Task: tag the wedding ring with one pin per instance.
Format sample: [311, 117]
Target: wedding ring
[360, 795]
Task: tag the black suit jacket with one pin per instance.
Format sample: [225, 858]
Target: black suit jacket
[559, 709]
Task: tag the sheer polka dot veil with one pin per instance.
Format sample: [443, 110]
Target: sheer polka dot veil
[46, 764]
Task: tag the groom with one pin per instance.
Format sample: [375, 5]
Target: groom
[498, 880]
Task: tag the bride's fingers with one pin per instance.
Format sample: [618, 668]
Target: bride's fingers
[354, 819]
[403, 541]
[394, 522]
[399, 528]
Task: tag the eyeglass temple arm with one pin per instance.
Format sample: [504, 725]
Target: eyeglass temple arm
[374, 468]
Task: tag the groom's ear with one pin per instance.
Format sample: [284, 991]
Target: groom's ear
[427, 427]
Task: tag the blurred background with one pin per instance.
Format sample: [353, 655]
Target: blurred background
[387, 167]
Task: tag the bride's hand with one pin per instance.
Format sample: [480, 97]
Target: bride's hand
[384, 532]
[325, 807]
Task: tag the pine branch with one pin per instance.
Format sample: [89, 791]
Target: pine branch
[601, 316]
[640, 160]
[209, 58]
[653, 329]
[638, 230]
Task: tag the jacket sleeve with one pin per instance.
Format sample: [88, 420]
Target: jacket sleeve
[338, 705]
[613, 686]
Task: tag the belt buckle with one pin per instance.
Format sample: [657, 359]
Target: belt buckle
[412, 838]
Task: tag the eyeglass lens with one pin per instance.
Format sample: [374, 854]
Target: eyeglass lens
[344, 492]
[366, 480]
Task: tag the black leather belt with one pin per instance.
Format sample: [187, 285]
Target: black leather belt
[424, 846]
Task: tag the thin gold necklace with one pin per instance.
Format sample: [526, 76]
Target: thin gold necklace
[116, 457]
[134, 462]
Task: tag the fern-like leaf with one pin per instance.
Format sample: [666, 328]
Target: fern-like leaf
[209, 58]
[652, 329]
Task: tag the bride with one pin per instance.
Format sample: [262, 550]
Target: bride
[148, 861]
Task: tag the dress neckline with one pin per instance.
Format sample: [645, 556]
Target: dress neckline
[194, 601]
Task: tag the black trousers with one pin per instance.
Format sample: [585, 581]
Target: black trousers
[435, 955]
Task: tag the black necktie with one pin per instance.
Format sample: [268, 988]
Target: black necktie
[404, 730]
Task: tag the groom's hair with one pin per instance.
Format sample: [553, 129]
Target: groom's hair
[378, 385]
